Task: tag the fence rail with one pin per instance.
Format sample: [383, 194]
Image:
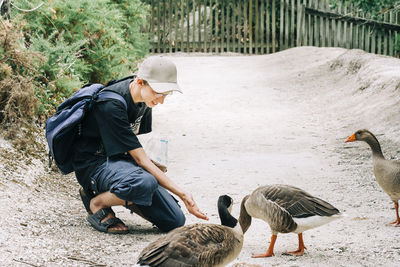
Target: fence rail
[266, 26]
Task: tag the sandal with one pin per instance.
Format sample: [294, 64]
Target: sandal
[96, 218]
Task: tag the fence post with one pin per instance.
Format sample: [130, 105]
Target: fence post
[175, 43]
[391, 35]
[228, 26]
[216, 25]
[256, 29]
[170, 26]
[362, 37]
[273, 23]
[281, 25]
[262, 30]
[300, 23]
[152, 27]
[193, 13]
[292, 24]
[222, 49]
[251, 26]
[267, 26]
[322, 26]
[239, 25]
[356, 31]
[182, 13]
[245, 32]
[298, 26]
[287, 24]
[164, 41]
[206, 20]
[199, 22]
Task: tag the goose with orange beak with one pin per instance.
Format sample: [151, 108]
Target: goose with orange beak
[288, 209]
[387, 172]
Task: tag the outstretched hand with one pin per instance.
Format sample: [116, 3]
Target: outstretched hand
[192, 207]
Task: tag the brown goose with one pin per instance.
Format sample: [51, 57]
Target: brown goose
[200, 244]
[288, 209]
[387, 172]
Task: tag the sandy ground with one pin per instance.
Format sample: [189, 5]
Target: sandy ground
[242, 122]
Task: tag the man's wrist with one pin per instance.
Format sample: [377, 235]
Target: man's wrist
[183, 195]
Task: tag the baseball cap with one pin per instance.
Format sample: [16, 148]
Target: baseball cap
[160, 73]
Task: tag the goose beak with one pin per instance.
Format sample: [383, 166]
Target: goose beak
[351, 138]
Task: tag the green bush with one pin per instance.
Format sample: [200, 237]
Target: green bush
[84, 41]
[107, 34]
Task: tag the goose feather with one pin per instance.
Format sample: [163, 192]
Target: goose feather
[199, 244]
[288, 209]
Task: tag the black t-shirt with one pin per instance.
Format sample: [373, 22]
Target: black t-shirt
[109, 130]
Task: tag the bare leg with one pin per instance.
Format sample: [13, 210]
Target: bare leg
[397, 221]
[106, 200]
[270, 251]
[300, 250]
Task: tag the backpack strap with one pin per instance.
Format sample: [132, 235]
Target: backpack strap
[105, 94]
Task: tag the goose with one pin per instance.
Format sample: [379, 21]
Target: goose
[288, 209]
[387, 172]
[200, 244]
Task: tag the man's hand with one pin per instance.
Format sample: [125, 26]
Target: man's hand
[192, 207]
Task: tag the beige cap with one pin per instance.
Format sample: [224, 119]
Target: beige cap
[160, 73]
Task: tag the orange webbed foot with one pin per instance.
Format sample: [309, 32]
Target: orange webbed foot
[395, 223]
[299, 252]
[266, 255]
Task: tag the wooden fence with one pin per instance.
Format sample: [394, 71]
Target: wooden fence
[266, 26]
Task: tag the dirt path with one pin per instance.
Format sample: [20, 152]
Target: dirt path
[242, 122]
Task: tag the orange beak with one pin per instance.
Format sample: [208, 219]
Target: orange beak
[351, 138]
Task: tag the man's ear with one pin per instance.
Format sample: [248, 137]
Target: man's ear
[139, 81]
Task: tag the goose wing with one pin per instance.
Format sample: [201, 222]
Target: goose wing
[297, 202]
[387, 173]
[261, 204]
[193, 245]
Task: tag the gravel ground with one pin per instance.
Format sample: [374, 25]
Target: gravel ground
[242, 122]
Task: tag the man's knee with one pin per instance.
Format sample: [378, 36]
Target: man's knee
[148, 183]
[137, 189]
[173, 222]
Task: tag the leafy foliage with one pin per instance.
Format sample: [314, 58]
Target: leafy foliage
[375, 8]
[372, 6]
[47, 54]
[17, 67]
[18, 103]
[84, 41]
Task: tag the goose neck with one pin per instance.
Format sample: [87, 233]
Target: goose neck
[226, 218]
[244, 218]
[375, 147]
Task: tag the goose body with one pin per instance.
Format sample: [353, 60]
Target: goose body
[387, 172]
[198, 244]
[288, 209]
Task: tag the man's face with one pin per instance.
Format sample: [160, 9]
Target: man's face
[150, 97]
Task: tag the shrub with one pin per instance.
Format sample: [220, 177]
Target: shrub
[84, 41]
[18, 68]
[102, 38]
[18, 103]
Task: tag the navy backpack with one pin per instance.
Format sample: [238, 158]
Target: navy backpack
[64, 126]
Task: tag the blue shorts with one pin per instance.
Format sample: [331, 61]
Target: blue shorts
[129, 182]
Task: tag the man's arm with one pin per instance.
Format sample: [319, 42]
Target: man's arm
[144, 161]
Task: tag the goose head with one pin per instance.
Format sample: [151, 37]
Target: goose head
[361, 135]
[225, 203]
[369, 138]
